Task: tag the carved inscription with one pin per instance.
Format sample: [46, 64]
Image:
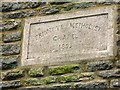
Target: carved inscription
[66, 36]
[69, 38]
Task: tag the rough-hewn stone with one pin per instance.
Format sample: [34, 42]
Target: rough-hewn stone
[9, 62]
[72, 6]
[84, 5]
[34, 4]
[53, 82]
[115, 83]
[14, 36]
[99, 65]
[11, 6]
[63, 69]
[41, 81]
[32, 81]
[92, 85]
[109, 73]
[68, 78]
[35, 72]
[11, 84]
[9, 49]
[58, 3]
[76, 77]
[40, 87]
[20, 14]
[66, 86]
[9, 25]
[49, 10]
[118, 63]
[49, 79]
[68, 7]
[11, 75]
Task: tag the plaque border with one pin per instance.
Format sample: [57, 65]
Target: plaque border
[112, 49]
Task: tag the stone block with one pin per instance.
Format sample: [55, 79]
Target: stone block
[109, 73]
[35, 72]
[11, 84]
[92, 85]
[10, 49]
[63, 69]
[11, 6]
[11, 37]
[115, 83]
[99, 65]
[9, 25]
[11, 75]
[9, 62]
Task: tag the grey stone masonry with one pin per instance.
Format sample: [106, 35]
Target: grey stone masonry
[14, 36]
[9, 49]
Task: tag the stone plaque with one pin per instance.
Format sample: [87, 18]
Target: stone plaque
[69, 38]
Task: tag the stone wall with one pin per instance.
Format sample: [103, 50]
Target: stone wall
[86, 74]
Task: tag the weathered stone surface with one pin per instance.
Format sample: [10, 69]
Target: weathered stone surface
[20, 14]
[32, 81]
[40, 87]
[41, 81]
[68, 37]
[9, 62]
[68, 7]
[115, 83]
[34, 4]
[67, 86]
[68, 78]
[9, 49]
[63, 69]
[109, 2]
[35, 72]
[11, 84]
[76, 77]
[99, 65]
[118, 64]
[84, 5]
[92, 85]
[109, 73]
[50, 10]
[73, 6]
[11, 75]
[57, 2]
[49, 79]
[14, 36]
[9, 25]
[88, 74]
[11, 6]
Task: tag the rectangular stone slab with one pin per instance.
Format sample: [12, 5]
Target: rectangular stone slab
[69, 38]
